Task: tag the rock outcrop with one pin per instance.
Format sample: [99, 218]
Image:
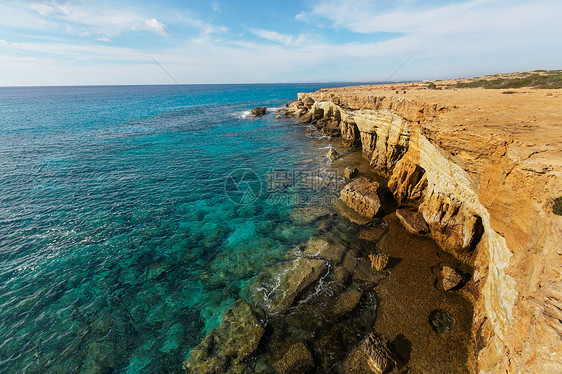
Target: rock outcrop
[482, 169]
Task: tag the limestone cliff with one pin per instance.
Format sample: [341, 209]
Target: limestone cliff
[483, 168]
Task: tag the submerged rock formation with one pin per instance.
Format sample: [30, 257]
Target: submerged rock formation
[482, 169]
[286, 281]
[227, 347]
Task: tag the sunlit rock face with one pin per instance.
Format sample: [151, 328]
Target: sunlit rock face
[484, 185]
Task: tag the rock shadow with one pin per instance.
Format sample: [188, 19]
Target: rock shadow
[402, 348]
[393, 262]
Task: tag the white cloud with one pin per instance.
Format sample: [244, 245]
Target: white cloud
[83, 18]
[407, 16]
[481, 32]
[156, 26]
[277, 37]
[216, 7]
[477, 36]
[49, 9]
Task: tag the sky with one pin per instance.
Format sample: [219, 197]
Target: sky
[79, 42]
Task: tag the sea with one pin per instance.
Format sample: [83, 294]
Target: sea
[133, 217]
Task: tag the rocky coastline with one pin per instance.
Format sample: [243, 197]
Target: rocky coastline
[430, 262]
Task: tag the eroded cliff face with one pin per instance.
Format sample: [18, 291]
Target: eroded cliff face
[483, 178]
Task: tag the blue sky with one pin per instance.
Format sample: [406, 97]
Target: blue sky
[67, 42]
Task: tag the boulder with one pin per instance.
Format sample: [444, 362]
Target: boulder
[379, 261]
[378, 354]
[259, 111]
[362, 196]
[372, 234]
[276, 288]
[347, 301]
[333, 154]
[370, 356]
[349, 173]
[297, 360]
[451, 278]
[322, 249]
[228, 346]
[412, 221]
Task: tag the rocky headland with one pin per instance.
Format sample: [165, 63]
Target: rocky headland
[441, 255]
[483, 168]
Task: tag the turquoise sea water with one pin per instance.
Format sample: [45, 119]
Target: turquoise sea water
[119, 246]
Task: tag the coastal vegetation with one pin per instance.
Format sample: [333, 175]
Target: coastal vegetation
[557, 206]
[536, 79]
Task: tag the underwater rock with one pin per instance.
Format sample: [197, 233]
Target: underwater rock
[307, 215]
[361, 195]
[348, 213]
[365, 273]
[297, 360]
[441, 321]
[328, 350]
[333, 154]
[372, 234]
[451, 278]
[412, 221]
[349, 173]
[320, 248]
[259, 111]
[350, 261]
[378, 260]
[276, 288]
[227, 347]
[324, 226]
[347, 301]
[341, 275]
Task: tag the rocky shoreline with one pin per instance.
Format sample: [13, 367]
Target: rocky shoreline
[421, 288]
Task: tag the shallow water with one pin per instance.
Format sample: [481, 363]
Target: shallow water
[121, 245]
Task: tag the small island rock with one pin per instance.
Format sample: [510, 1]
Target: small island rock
[259, 111]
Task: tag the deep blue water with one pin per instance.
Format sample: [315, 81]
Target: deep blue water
[119, 246]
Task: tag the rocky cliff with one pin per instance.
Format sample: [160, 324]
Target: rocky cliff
[483, 168]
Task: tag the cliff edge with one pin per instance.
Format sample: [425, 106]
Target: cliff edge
[483, 167]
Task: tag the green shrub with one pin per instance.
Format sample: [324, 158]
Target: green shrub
[557, 206]
[537, 79]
